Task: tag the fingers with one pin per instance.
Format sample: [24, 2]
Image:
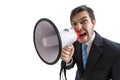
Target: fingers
[67, 53]
[68, 48]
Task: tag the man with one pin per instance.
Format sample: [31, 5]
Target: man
[103, 55]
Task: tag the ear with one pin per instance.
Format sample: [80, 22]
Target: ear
[94, 22]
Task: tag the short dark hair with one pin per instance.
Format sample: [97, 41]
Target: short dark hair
[80, 9]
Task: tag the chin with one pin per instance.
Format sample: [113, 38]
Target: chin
[83, 40]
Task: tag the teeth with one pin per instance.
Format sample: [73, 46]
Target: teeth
[82, 34]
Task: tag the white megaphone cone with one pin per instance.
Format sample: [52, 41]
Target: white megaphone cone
[68, 36]
[49, 41]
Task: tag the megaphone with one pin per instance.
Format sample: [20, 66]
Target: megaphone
[48, 41]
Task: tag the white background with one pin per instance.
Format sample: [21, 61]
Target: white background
[18, 58]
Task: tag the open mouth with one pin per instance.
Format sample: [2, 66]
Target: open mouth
[83, 34]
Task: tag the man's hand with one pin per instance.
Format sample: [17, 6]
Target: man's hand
[67, 53]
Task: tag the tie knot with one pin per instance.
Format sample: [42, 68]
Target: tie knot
[84, 46]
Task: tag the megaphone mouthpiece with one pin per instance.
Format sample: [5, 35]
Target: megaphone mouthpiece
[77, 33]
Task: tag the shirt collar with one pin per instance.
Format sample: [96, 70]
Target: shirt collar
[91, 40]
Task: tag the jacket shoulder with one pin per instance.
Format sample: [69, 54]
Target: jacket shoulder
[112, 44]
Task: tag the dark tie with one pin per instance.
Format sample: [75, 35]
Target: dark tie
[84, 58]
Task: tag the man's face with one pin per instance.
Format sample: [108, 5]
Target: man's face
[81, 22]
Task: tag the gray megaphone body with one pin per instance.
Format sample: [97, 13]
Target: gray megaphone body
[49, 41]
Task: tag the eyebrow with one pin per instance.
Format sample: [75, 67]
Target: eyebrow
[81, 19]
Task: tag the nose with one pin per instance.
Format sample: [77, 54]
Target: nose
[78, 27]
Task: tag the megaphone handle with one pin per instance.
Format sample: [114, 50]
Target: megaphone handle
[63, 67]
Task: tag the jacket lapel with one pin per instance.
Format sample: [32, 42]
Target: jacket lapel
[78, 57]
[94, 54]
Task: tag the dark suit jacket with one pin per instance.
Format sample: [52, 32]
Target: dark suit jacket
[103, 62]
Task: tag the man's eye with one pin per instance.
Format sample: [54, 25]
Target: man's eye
[74, 24]
[83, 21]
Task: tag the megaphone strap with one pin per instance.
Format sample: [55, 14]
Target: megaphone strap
[63, 68]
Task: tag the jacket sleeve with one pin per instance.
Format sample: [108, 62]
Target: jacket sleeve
[70, 65]
[115, 72]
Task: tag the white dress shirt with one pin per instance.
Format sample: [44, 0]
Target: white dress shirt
[89, 43]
